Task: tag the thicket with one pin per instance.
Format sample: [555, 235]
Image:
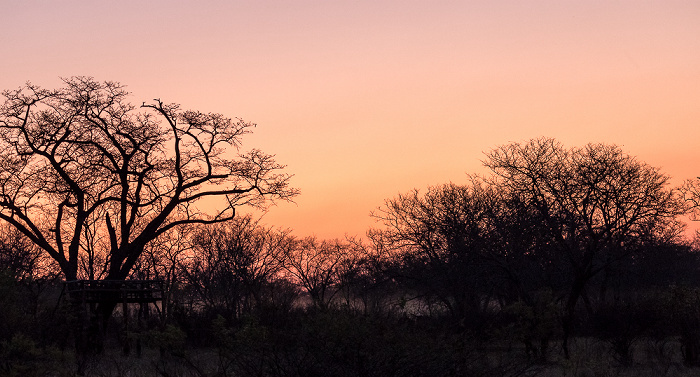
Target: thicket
[244, 299]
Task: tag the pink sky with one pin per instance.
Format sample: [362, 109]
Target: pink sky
[367, 99]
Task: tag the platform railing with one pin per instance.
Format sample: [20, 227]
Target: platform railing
[129, 291]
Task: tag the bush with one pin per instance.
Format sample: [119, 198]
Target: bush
[20, 356]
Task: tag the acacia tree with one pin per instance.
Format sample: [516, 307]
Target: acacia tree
[84, 171]
[440, 242]
[596, 202]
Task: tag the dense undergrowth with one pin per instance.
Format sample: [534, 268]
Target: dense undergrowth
[649, 337]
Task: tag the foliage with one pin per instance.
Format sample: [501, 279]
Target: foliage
[169, 340]
[20, 356]
[598, 204]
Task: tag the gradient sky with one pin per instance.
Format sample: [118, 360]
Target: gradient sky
[363, 100]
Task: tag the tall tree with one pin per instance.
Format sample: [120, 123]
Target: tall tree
[83, 170]
[597, 203]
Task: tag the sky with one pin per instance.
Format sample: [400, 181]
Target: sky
[364, 100]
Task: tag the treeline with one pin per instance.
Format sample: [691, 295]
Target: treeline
[498, 276]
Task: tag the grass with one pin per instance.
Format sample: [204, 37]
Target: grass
[590, 358]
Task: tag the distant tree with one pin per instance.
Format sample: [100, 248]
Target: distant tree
[26, 279]
[691, 194]
[164, 259]
[440, 245]
[596, 202]
[234, 263]
[361, 279]
[19, 258]
[319, 266]
[85, 172]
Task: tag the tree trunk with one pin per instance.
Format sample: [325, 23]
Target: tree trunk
[570, 312]
[91, 326]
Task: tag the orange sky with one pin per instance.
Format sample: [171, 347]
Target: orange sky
[367, 99]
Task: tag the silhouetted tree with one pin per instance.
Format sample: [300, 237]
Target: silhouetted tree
[82, 170]
[27, 279]
[164, 259]
[19, 258]
[440, 244]
[691, 195]
[362, 281]
[318, 267]
[234, 265]
[596, 201]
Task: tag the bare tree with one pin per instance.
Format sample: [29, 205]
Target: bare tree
[439, 242]
[234, 263]
[18, 257]
[317, 267]
[83, 172]
[596, 202]
[163, 260]
[691, 194]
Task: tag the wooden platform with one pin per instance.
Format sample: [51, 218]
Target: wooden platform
[123, 291]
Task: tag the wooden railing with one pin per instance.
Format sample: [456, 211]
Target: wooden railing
[126, 291]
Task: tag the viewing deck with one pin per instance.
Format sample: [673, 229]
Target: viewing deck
[125, 291]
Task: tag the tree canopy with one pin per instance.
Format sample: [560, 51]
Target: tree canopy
[596, 203]
[85, 171]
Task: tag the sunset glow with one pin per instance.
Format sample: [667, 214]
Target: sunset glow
[364, 100]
